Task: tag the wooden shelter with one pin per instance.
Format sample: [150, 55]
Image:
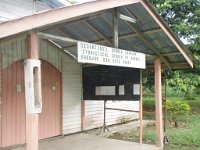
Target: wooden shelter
[52, 37]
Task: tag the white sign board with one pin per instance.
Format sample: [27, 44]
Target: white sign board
[97, 54]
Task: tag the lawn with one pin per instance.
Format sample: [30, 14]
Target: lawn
[185, 137]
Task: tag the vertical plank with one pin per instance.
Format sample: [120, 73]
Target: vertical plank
[22, 106]
[1, 108]
[9, 106]
[59, 108]
[51, 101]
[4, 100]
[13, 95]
[32, 119]
[158, 100]
[18, 116]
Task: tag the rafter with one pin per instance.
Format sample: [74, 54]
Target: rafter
[122, 36]
[147, 43]
[179, 65]
[98, 32]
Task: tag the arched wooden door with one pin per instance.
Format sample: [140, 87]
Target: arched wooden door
[13, 104]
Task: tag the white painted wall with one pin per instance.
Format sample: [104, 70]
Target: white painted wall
[94, 112]
[72, 89]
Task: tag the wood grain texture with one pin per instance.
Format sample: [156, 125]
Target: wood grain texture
[13, 113]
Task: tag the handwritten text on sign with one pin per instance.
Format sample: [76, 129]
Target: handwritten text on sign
[97, 54]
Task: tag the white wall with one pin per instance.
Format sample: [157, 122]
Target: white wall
[94, 112]
[72, 90]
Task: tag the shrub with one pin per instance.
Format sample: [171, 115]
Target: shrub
[195, 106]
[176, 109]
[149, 104]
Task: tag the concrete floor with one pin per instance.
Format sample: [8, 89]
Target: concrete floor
[90, 141]
[85, 141]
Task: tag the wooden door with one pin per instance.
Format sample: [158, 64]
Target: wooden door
[13, 104]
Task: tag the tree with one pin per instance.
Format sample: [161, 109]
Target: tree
[183, 17]
[176, 109]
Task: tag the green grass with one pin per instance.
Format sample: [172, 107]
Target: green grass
[185, 137]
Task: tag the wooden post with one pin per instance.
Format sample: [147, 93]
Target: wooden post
[115, 28]
[32, 119]
[158, 103]
[83, 114]
[140, 107]
[82, 106]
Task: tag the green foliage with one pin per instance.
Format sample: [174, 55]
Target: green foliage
[183, 17]
[195, 106]
[149, 104]
[177, 108]
[184, 82]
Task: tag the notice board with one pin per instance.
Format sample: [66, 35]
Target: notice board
[111, 83]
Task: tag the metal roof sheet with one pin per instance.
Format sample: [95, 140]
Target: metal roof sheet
[101, 27]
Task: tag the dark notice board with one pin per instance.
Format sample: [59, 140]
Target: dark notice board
[101, 76]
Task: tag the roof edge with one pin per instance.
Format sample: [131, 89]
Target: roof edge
[58, 15]
[168, 32]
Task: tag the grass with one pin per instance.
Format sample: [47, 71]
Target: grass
[185, 137]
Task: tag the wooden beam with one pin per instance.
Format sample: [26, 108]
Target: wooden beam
[63, 33]
[50, 18]
[56, 38]
[158, 103]
[32, 119]
[98, 32]
[148, 44]
[115, 28]
[167, 31]
[82, 18]
[172, 54]
[151, 57]
[180, 65]
[134, 34]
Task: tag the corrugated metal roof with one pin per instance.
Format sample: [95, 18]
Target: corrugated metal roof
[100, 27]
[145, 23]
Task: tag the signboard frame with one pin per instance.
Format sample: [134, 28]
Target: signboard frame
[103, 55]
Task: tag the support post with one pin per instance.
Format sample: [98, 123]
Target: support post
[82, 107]
[83, 114]
[158, 103]
[140, 107]
[165, 112]
[115, 28]
[104, 127]
[32, 118]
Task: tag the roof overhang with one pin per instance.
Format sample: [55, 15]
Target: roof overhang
[76, 14]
